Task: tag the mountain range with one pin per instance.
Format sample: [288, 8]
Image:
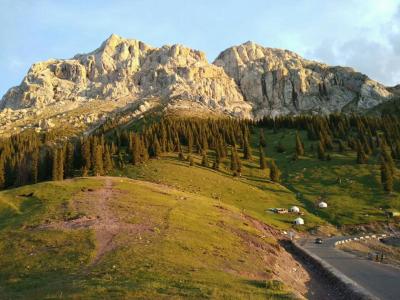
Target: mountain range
[246, 81]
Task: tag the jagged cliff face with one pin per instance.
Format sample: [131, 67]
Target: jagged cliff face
[132, 69]
[244, 81]
[281, 82]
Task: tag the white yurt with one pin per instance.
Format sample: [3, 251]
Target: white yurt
[322, 204]
[298, 221]
[294, 209]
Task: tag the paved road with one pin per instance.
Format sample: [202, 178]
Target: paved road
[382, 281]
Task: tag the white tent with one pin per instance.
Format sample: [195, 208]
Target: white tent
[322, 204]
[294, 209]
[298, 221]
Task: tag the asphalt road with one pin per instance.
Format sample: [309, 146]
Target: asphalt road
[382, 281]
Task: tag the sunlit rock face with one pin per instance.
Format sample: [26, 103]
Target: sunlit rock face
[244, 81]
[279, 81]
[129, 68]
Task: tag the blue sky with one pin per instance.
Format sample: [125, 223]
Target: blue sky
[364, 34]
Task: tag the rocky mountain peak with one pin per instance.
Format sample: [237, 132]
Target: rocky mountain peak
[279, 81]
[247, 80]
[125, 68]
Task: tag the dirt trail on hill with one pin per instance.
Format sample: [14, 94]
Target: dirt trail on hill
[101, 217]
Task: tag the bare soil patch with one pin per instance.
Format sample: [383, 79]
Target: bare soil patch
[100, 217]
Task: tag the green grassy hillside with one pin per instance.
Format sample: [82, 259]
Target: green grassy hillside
[353, 191]
[358, 199]
[117, 238]
[253, 193]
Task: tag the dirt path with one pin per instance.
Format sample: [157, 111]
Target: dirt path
[101, 217]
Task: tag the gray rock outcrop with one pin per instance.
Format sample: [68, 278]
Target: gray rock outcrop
[245, 81]
[279, 81]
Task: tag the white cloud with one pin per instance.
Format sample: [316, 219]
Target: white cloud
[376, 48]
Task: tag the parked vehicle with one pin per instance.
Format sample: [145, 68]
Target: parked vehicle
[318, 241]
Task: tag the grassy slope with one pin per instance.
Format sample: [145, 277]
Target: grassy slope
[190, 246]
[253, 193]
[359, 199]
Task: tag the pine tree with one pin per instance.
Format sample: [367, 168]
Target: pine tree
[246, 149]
[60, 165]
[238, 162]
[204, 160]
[107, 160]
[98, 168]
[136, 150]
[35, 166]
[234, 164]
[191, 161]
[361, 156]
[321, 151]
[275, 173]
[386, 177]
[85, 172]
[69, 166]
[156, 148]
[86, 154]
[263, 163]
[181, 156]
[341, 146]
[299, 145]
[217, 161]
[190, 142]
[388, 159]
[263, 143]
[55, 160]
[2, 173]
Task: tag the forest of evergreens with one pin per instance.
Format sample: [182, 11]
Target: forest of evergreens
[30, 157]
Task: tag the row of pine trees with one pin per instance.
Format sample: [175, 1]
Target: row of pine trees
[30, 157]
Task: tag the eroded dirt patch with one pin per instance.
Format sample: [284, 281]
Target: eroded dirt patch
[99, 216]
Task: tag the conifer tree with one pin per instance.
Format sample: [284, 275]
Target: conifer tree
[107, 160]
[263, 143]
[156, 148]
[86, 154]
[386, 177]
[239, 163]
[85, 171]
[55, 160]
[388, 159]
[121, 162]
[341, 147]
[263, 163]
[275, 173]
[2, 173]
[204, 159]
[181, 156]
[60, 165]
[190, 142]
[217, 161]
[34, 166]
[136, 150]
[69, 166]
[234, 164]
[144, 152]
[361, 156]
[321, 151]
[98, 168]
[299, 145]
[246, 149]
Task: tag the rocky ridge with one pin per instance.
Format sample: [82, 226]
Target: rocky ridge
[247, 81]
[279, 82]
